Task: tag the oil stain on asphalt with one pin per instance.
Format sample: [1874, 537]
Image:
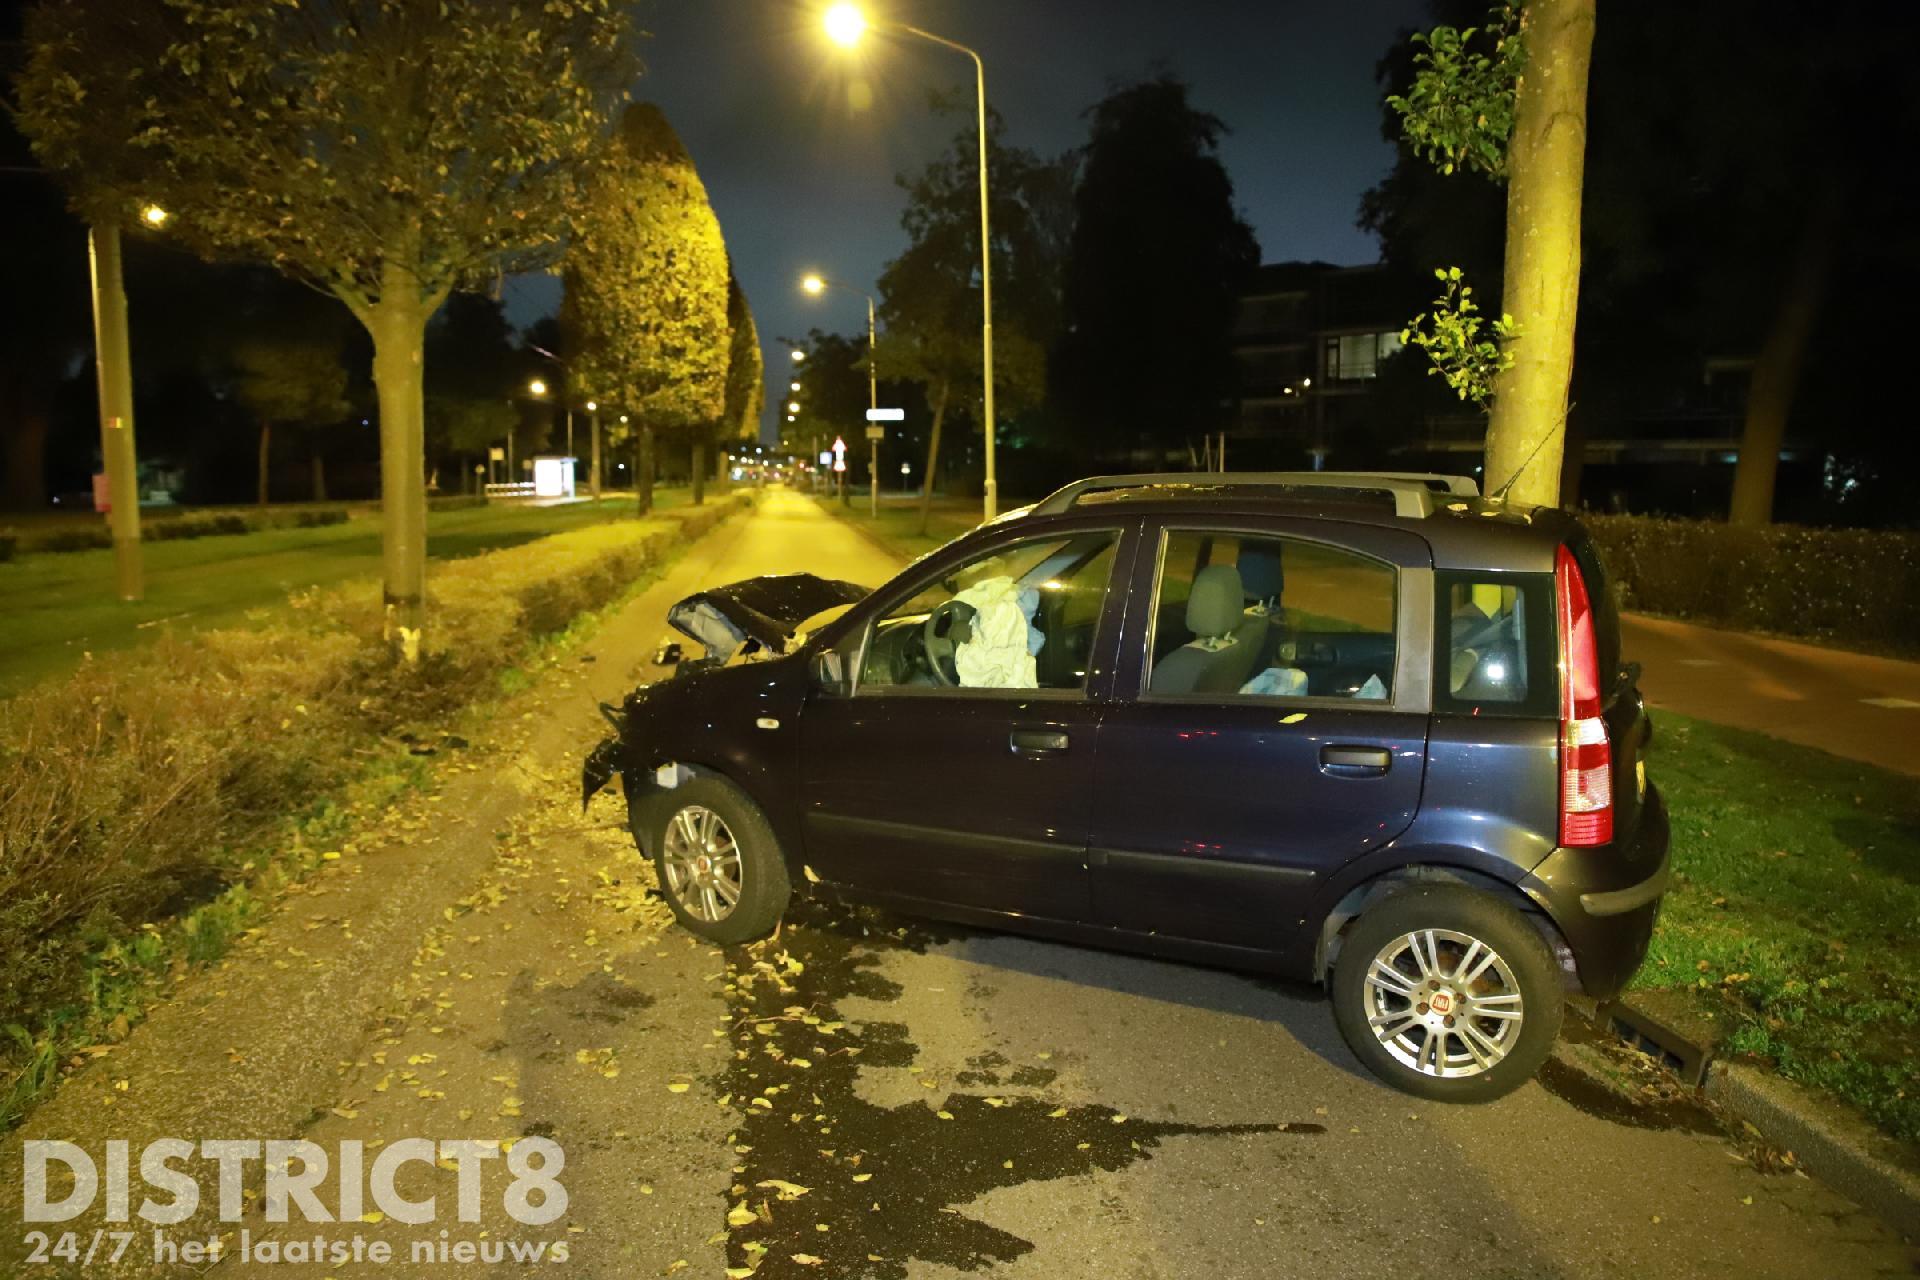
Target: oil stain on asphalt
[827, 1183]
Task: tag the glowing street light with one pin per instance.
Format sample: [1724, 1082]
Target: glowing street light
[536, 388]
[798, 355]
[813, 284]
[845, 25]
[793, 386]
[154, 216]
[793, 406]
[593, 406]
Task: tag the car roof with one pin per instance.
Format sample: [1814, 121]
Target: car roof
[1464, 530]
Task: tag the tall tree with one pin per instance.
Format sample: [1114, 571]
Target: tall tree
[746, 370]
[1514, 107]
[289, 378]
[1159, 257]
[930, 293]
[646, 283]
[386, 152]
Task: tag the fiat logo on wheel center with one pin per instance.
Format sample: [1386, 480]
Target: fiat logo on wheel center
[1441, 1002]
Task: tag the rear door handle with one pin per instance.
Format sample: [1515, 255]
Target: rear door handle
[1038, 742]
[1354, 761]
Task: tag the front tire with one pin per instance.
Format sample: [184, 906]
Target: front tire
[719, 864]
[1447, 993]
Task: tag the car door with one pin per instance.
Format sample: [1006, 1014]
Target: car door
[970, 785]
[1231, 781]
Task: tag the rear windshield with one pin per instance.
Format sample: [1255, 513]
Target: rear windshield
[1495, 654]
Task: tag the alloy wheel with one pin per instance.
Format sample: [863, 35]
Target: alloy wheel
[702, 863]
[1443, 1003]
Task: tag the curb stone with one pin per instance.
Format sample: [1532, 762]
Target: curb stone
[1828, 1139]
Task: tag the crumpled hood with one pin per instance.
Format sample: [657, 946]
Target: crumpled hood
[767, 610]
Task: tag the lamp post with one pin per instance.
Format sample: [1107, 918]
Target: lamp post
[845, 25]
[816, 285]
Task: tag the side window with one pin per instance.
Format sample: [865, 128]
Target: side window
[1494, 628]
[1021, 617]
[1265, 617]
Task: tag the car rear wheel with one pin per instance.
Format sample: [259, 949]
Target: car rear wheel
[719, 865]
[1447, 993]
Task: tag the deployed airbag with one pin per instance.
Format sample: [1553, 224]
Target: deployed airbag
[1000, 651]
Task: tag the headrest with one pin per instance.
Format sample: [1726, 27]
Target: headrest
[1260, 572]
[1216, 606]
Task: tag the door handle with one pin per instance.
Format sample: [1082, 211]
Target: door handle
[1038, 742]
[1354, 761]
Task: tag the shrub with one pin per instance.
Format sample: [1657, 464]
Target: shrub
[1851, 586]
[187, 524]
[129, 790]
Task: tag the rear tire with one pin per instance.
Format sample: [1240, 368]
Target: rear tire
[1447, 993]
[720, 867]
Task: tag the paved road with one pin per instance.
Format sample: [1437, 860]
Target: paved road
[869, 1096]
[1852, 704]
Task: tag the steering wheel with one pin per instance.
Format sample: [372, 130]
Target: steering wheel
[949, 624]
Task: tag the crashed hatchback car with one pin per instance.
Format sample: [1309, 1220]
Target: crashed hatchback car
[1366, 730]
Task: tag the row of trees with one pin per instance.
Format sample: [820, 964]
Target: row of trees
[392, 155]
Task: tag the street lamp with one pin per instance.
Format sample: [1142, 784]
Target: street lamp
[793, 386]
[798, 355]
[154, 216]
[845, 24]
[536, 388]
[793, 407]
[817, 284]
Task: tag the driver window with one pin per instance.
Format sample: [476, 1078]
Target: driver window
[1021, 617]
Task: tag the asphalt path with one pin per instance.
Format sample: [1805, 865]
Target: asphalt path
[865, 1095]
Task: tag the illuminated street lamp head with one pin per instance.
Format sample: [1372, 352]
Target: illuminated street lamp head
[845, 24]
[154, 216]
[813, 284]
[798, 355]
[793, 406]
[537, 387]
[794, 386]
[593, 406]
[623, 419]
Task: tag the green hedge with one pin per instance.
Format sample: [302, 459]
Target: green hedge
[133, 789]
[1854, 587]
[190, 524]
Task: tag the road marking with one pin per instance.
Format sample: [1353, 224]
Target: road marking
[1893, 704]
[1698, 662]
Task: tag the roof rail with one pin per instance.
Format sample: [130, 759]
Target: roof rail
[1415, 494]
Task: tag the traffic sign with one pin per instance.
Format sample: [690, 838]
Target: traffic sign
[876, 433]
[886, 415]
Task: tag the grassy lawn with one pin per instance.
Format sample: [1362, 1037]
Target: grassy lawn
[1795, 920]
[55, 606]
[898, 524]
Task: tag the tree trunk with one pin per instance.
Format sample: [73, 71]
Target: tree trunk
[1776, 370]
[113, 370]
[697, 474]
[593, 472]
[398, 324]
[27, 415]
[933, 453]
[643, 468]
[319, 469]
[266, 458]
[1546, 161]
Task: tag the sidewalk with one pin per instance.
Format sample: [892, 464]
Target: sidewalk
[1855, 705]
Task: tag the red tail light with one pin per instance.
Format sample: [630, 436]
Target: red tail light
[1586, 756]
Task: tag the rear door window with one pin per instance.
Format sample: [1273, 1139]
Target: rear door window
[1256, 616]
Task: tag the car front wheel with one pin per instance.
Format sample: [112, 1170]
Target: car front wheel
[1447, 993]
[719, 865]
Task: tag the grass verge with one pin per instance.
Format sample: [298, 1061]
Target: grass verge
[897, 527]
[148, 812]
[1794, 921]
[58, 607]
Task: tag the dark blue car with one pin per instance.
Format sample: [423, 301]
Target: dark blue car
[1367, 730]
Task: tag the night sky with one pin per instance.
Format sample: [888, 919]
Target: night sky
[802, 179]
